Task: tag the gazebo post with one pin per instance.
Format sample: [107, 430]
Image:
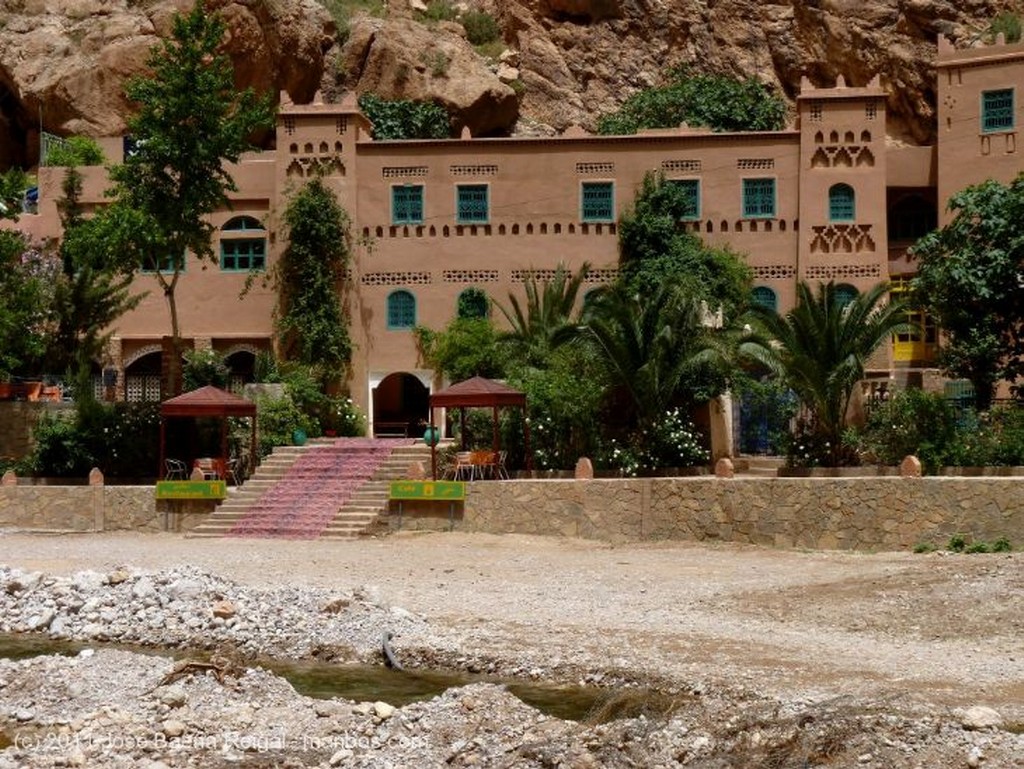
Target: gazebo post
[433, 448]
[163, 451]
[252, 446]
[494, 435]
[462, 427]
[526, 439]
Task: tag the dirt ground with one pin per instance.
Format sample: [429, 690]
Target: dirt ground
[942, 629]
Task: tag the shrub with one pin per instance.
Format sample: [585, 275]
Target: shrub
[440, 10]
[912, 422]
[924, 547]
[481, 28]
[278, 419]
[1009, 24]
[405, 119]
[343, 417]
[977, 547]
[1002, 545]
[75, 151]
[671, 442]
[957, 543]
[204, 367]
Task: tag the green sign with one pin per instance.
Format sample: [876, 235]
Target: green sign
[445, 491]
[191, 489]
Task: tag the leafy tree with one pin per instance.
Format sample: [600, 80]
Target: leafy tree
[27, 276]
[969, 278]
[474, 303]
[13, 184]
[656, 348]
[190, 122]
[76, 151]
[481, 28]
[405, 118]
[653, 247]
[547, 319]
[719, 102]
[311, 320]
[467, 347]
[205, 367]
[90, 293]
[820, 348]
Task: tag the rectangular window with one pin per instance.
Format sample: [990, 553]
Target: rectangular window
[407, 204]
[997, 110]
[471, 204]
[690, 188]
[759, 198]
[597, 202]
[243, 254]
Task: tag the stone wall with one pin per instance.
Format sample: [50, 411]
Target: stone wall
[885, 513]
[96, 508]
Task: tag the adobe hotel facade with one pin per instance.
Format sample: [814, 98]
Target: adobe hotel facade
[829, 199]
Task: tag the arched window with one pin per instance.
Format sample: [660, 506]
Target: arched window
[763, 296]
[844, 294]
[841, 203]
[401, 310]
[473, 303]
[243, 245]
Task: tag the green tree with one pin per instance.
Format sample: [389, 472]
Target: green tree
[13, 184]
[405, 118]
[547, 319]
[76, 151]
[820, 349]
[27, 277]
[969, 278]
[467, 347]
[654, 247]
[718, 102]
[90, 294]
[190, 122]
[311, 320]
[657, 348]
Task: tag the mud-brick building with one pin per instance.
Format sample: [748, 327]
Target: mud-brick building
[830, 198]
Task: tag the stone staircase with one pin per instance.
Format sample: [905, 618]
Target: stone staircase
[328, 489]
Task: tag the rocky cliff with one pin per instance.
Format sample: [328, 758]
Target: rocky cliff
[567, 61]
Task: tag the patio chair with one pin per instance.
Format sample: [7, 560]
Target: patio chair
[502, 470]
[175, 470]
[465, 470]
[234, 471]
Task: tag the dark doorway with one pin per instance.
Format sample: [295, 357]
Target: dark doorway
[400, 406]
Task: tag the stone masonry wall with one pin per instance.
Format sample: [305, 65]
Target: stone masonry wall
[96, 508]
[886, 513]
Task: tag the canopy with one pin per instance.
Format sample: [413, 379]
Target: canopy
[209, 402]
[479, 392]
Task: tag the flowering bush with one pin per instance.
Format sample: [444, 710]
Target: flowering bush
[673, 441]
[342, 416]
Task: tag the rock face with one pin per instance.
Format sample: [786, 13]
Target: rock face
[66, 61]
[576, 59]
[403, 59]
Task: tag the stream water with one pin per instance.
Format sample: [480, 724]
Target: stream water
[363, 683]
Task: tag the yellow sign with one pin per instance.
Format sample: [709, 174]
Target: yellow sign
[191, 489]
[445, 491]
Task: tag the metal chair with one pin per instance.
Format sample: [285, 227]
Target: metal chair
[234, 471]
[502, 471]
[465, 470]
[175, 470]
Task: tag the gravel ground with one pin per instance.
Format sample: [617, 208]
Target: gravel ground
[893, 646]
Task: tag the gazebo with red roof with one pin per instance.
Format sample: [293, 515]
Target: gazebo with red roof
[210, 402]
[479, 392]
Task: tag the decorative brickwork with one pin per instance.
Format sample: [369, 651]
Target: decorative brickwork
[774, 272]
[470, 276]
[602, 275]
[595, 168]
[755, 164]
[681, 166]
[397, 172]
[842, 239]
[840, 271]
[396, 279]
[473, 170]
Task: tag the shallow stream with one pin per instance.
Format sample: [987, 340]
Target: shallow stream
[364, 683]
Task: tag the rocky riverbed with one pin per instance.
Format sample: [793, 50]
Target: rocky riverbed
[217, 707]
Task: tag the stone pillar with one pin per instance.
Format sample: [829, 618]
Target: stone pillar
[910, 467]
[114, 357]
[96, 486]
[9, 479]
[724, 468]
[584, 470]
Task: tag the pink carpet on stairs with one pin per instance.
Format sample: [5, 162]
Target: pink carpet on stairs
[305, 500]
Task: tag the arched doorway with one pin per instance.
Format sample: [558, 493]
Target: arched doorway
[401, 405]
[142, 377]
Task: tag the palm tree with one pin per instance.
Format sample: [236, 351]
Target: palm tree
[546, 320]
[651, 345]
[820, 349]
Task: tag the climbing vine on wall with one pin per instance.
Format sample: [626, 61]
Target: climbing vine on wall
[311, 321]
